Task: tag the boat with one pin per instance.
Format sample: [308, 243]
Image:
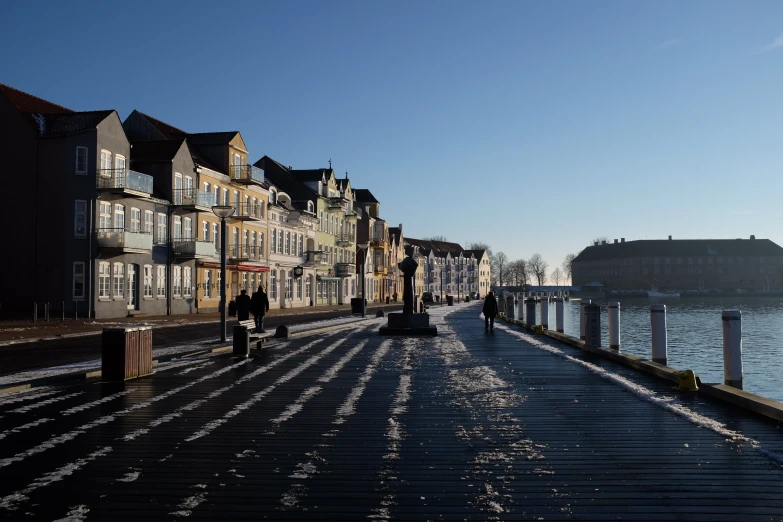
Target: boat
[654, 292]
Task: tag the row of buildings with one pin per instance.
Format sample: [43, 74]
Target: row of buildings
[114, 218]
[685, 264]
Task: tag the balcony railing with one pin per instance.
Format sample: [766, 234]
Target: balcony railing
[120, 239]
[315, 257]
[191, 197]
[124, 180]
[344, 269]
[336, 202]
[343, 239]
[248, 211]
[194, 248]
[245, 253]
[381, 270]
[377, 242]
[246, 174]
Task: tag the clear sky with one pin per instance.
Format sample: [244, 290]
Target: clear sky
[533, 126]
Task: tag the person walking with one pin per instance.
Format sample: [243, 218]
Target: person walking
[490, 311]
[243, 306]
[259, 306]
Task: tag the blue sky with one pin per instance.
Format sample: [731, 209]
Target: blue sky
[533, 126]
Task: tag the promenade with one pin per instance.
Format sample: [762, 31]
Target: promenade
[353, 426]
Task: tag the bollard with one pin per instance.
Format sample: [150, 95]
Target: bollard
[63, 310]
[241, 341]
[658, 327]
[35, 312]
[545, 313]
[510, 306]
[592, 326]
[530, 312]
[582, 305]
[614, 325]
[732, 348]
[46, 311]
[559, 314]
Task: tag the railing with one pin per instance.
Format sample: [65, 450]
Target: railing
[376, 242]
[194, 197]
[124, 179]
[345, 238]
[248, 210]
[246, 173]
[380, 270]
[344, 269]
[122, 239]
[246, 252]
[314, 257]
[194, 248]
[336, 202]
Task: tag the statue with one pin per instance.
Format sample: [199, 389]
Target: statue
[408, 267]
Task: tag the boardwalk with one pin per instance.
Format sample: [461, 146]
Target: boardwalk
[352, 426]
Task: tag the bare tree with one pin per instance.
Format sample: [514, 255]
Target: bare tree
[556, 276]
[499, 262]
[519, 271]
[435, 238]
[599, 240]
[568, 268]
[538, 268]
[479, 246]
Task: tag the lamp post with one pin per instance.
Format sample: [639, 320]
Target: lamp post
[223, 211]
[363, 247]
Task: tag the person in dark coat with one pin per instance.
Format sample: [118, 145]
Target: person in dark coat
[243, 306]
[259, 306]
[490, 311]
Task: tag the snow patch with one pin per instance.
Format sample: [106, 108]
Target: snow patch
[23, 427]
[75, 514]
[30, 407]
[89, 405]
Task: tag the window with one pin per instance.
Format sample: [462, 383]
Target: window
[177, 282]
[80, 218]
[105, 216]
[273, 245]
[208, 283]
[236, 201]
[273, 197]
[280, 242]
[119, 280]
[81, 160]
[308, 288]
[301, 244]
[178, 188]
[148, 281]
[104, 281]
[207, 187]
[177, 232]
[217, 195]
[162, 236]
[78, 280]
[273, 284]
[148, 224]
[321, 221]
[135, 220]
[216, 236]
[106, 163]
[299, 289]
[187, 281]
[289, 285]
[225, 197]
[119, 217]
[246, 238]
[288, 243]
[119, 162]
[205, 230]
[235, 242]
[260, 244]
[161, 282]
[187, 228]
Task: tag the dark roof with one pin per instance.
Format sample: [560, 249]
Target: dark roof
[364, 196]
[155, 151]
[441, 248]
[30, 104]
[478, 254]
[395, 232]
[681, 248]
[168, 131]
[212, 138]
[305, 175]
[69, 123]
[281, 177]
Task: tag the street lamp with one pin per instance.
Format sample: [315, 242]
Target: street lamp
[363, 247]
[223, 211]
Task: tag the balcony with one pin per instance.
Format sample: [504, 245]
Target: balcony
[193, 199]
[124, 181]
[194, 248]
[377, 243]
[336, 202]
[123, 241]
[247, 174]
[315, 257]
[351, 214]
[344, 269]
[245, 253]
[247, 212]
[380, 270]
[344, 239]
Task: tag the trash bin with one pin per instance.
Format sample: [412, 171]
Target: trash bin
[356, 305]
[145, 351]
[241, 341]
[119, 354]
[450, 300]
[232, 308]
[387, 299]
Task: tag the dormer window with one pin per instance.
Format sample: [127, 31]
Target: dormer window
[310, 207]
[273, 197]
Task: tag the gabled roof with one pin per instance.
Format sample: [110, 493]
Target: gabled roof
[169, 132]
[441, 248]
[212, 138]
[50, 125]
[478, 254]
[27, 103]
[281, 177]
[156, 151]
[310, 175]
[681, 248]
[364, 196]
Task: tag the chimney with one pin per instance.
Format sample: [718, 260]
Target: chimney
[670, 238]
[622, 240]
[615, 241]
[603, 242]
[753, 237]
[595, 243]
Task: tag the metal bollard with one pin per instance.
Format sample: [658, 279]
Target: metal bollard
[582, 305]
[559, 314]
[614, 325]
[592, 326]
[658, 328]
[241, 346]
[732, 348]
[46, 311]
[530, 312]
[35, 312]
[545, 312]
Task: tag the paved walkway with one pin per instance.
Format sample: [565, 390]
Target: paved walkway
[352, 426]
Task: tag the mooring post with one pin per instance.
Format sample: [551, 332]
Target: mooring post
[658, 328]
[559, 314]
[545, 312]
[732, 348]
[530, 312]
[614, 325]
[593, 326]
[582, 305]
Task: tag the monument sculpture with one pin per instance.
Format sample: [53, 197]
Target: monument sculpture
[407, 322]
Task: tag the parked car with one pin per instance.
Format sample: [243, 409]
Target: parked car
[473, 295]
[427, 297]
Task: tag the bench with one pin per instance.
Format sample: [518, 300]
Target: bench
[250, 324]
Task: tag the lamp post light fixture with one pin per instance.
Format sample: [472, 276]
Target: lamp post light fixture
[363, 247]
[223, 212]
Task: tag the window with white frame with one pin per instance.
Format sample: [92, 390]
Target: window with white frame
[104, 280]
[246, 239]
[119, 217]
[225, 197]
[176, 282]
[299, 289]
[187, 281]
[187, 228]
[235, 242]
[119, 164]
[78, 280]
[161, 281]
[135, 220]
[106, 163]
[149, 217]
[148, 281]
[80, 218]
[216, 236]
[208, 283]
[273, 245]
[162, 235]
[260, 243]
[301, 244]
[81, 160]
[244, 281]
[208, 188]
[236, 201]
[308, 288]
[205, 230]
[321, 221]
[288, 243]
[178, 189]
[119, 280]
[289, 284]
[104, 215]
[255, 208]
[217, 195]
[177, 232]
[280, 242]
[273, 284]
[219, 281]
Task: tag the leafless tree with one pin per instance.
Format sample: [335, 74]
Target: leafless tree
[480, 246]
[556, 276]
[599, 240]
[568, 268]
[519, 271]
[435, 238]
[499, 262]
[538, 268]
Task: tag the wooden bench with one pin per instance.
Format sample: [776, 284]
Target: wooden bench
[250, 324]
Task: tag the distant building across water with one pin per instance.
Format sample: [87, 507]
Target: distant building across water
[682, 264]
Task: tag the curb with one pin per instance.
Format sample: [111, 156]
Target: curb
[752, 402]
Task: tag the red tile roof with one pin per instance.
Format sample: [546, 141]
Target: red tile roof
[30, 104]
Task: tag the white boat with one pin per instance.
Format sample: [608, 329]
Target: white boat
[654, 292]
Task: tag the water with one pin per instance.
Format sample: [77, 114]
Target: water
[695, 336]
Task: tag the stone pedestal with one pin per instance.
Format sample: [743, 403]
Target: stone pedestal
[408, 324]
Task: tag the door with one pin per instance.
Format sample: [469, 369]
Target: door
[283, 282]
[133, 288]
